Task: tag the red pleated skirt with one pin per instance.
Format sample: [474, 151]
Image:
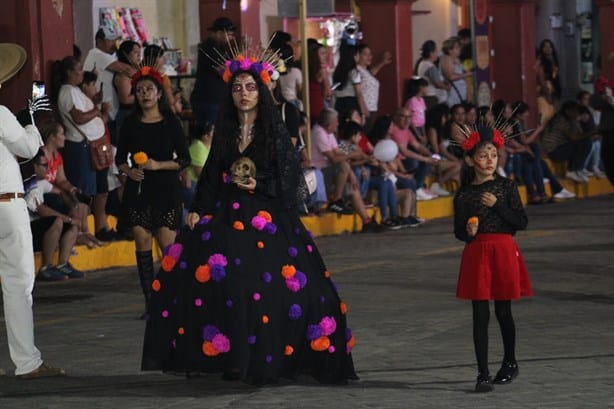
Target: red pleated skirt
[492, 268]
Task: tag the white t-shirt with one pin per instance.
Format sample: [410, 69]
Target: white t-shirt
[98, 61]
[370, 89]
[431, 73]
[290, 82]
[348, 90]
[69, 97]
[34, 197]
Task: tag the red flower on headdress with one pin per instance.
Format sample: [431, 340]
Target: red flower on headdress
[147, 71]
[497, 139]
[471, 141]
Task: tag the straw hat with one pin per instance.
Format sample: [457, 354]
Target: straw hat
[12, 58]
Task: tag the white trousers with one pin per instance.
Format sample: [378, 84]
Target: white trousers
[17, 276]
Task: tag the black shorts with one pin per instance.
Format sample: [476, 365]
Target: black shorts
[102, 181]
[39, 228]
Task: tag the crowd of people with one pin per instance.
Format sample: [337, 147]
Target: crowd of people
[245, 165]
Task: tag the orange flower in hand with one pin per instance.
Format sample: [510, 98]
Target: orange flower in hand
[473, 220]
[140, 158]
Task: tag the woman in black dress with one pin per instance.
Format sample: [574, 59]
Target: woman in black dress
[152, 197]
[244, 291]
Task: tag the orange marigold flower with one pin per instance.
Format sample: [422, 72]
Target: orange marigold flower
[265, 215]
[145, 70]
[203, 273]
[473, 220]
[140, 158]
[260, 245]
[155, 285]
[265, 319]
[288, 350]
[227, 75]
[253, 59]
[288, 271]
[265, 77]
[352, 342]
[238, 225]
[320, 344]
[209, 349]
[240, 57]
[168, 263]
[327, 274]
[181, 331]
[343, 307]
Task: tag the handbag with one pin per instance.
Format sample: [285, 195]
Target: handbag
[101, 150]
[310, 180]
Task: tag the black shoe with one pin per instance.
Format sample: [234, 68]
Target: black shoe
[106, 235]
[484, 384]
[70, 271]
[507, 373]
[338, 207]
[390, 224]
[371, 227]
[51, 273]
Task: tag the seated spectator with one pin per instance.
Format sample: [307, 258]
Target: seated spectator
[199, 152]
[348, 144]
[336, 168]
[564, 141]
[50, 229]
[402, 183]
[418, 159]
[66, 198]
[529, 159]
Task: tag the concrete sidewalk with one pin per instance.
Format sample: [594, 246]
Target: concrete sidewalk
[414, 347]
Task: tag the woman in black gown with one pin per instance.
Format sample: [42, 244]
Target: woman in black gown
[244, 291]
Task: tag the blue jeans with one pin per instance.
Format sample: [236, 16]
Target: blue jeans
[386, 196]
[532, 171]
[363, 182]
[419, 169]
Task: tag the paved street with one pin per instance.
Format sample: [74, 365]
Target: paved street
[414, 347]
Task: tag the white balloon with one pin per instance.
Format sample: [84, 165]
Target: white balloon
[385, 150]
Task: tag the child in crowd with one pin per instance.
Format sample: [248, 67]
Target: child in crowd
[50, 229]
[416, 91]
[348, 144]
[592, 165]
[487, 213]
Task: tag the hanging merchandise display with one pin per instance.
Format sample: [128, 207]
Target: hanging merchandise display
[129, 21]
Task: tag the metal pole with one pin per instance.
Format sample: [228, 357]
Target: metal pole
[302, 6]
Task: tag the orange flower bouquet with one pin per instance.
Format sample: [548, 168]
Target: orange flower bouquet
[472, 220]
[140, 159]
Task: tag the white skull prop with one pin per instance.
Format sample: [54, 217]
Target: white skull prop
[242, 169]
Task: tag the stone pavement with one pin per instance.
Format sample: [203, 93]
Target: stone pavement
[414, 346]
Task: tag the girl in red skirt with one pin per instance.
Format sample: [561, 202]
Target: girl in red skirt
[487, 213]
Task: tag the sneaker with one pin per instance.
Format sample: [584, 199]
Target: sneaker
[70, 271]
[576, 176]
[390, 224]
[51, 273]
[371, 227]
[413, 221]
[421, 194]
[338, 207]
[564, 194]
[599, 174]
[438, 190]
[43, 371]
[106, 235]
[585, 172]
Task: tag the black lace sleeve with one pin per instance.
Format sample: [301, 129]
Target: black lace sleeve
[510, 207]
[291, 182]
[462, 213]
[210, 179]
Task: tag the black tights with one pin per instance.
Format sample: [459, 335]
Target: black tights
[481, 315]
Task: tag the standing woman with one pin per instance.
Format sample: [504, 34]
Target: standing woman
[487, 213]
[547, 68]
[129, 52]
[348, 94]
[453, 72]
[152, 196]
[244, 290]
[438, 88]
[319, 83]
[370, 84]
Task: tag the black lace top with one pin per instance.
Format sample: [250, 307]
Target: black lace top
[506, 216]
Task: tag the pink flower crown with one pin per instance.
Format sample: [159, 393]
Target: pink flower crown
[147, 71]
[264, 70]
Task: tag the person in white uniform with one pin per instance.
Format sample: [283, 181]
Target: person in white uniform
[16, 252]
